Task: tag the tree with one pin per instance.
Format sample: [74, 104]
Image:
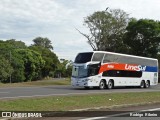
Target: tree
[64, 68]
[106, 30]
[16, 44]
[27, 64]
[7, 49]
[68, 67]
[50, 58]
[43, 42]
[6, 69]
[143, 37]
[33, 63]
[18, 65]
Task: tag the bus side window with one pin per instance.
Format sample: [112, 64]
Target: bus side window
[110, 73]
[92, 72]
[93, 69]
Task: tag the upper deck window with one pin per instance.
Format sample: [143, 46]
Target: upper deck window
[128, 60]
[98, 57]
[83, 57]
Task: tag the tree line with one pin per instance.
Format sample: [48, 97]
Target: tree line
[21, 63]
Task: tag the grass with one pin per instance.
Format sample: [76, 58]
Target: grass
[38, 83]
[63, 103]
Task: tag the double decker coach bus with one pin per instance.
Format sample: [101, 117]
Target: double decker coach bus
[107, 70]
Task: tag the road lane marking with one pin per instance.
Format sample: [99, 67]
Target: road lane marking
[116, 115]
[63, 94]
[109, 116]
[154, 109]
[47, 86]
[25, 87]
[50, 95]
[43, 95]
[4, 92]
[93, 118]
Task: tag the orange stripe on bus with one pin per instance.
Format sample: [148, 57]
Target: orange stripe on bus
[115, 66]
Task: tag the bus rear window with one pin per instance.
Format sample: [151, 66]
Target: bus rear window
[83, 57]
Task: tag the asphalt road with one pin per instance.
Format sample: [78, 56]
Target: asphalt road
[63, 90]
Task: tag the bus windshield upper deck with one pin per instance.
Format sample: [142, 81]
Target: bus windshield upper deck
[83, 57]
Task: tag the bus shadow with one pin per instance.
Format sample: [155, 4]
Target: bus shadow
[115, 88]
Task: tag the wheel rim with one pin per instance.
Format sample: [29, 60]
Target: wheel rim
[110, 85]
[102, 85]
[147, 84]
[142, 84]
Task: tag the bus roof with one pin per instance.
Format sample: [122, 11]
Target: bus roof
[125, 55]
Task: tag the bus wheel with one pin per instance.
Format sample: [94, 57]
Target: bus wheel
[110, 84]
[147, 85]
[102, 85]
[142, 84]
[86, 87]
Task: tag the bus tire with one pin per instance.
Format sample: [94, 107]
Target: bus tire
[86, 87]
[102, 85]
[110, 84]
[142, 85]
[147, 84]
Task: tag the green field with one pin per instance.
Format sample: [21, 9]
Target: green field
[63, 103]
[38, 83]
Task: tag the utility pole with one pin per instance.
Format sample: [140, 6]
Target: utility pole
[10, 55]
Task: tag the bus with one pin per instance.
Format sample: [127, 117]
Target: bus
[108, 70]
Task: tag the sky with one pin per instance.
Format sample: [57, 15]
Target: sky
[57, 19]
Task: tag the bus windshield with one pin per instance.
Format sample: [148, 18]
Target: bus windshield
[83, 57]
[79, 71]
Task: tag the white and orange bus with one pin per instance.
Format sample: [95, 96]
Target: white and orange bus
[107, 70]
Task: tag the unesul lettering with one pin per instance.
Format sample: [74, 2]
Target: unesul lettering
[135, 67]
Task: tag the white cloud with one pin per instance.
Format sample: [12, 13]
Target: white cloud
[57, 19]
